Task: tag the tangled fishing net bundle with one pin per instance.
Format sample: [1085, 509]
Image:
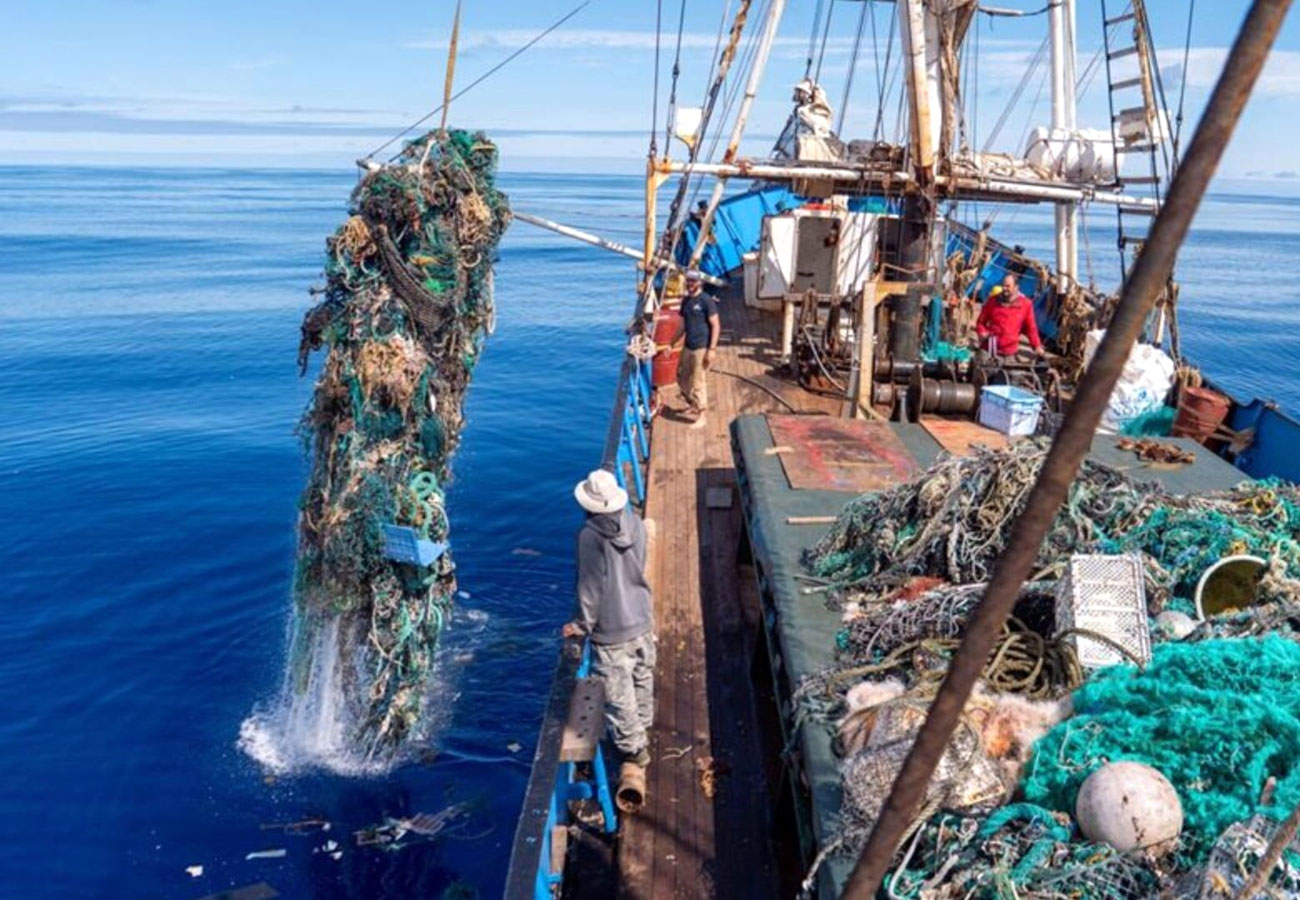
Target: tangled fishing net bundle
[407, 306]
[908, 566]
[952, 524]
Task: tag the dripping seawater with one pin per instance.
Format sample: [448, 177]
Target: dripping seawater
[312, 724]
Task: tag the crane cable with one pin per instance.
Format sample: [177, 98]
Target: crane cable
[853, 64]
[477, 81]
[654, 102]
[1182, 87]
[677, 71]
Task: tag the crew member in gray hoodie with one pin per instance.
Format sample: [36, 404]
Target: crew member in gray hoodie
[614, 610]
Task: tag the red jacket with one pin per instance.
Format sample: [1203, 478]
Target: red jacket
[1006, 321]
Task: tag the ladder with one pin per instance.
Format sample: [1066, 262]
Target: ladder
[1138, 123]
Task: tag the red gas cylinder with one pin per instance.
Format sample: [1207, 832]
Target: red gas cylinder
[668, 326]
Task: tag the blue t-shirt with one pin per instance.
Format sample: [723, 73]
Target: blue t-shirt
[695, 316]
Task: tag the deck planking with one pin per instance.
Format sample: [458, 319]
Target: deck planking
[684, 844]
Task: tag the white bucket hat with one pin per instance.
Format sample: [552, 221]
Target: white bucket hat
[600, 493]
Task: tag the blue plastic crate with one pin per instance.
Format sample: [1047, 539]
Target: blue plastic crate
[403, 544]
[1010, 410]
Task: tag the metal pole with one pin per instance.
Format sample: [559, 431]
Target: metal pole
[1148, 278]
[765, 41]
[912, 18]
[1272, 855]
[859, 178]
[597, 241]
[451, 69]
[1063, 126]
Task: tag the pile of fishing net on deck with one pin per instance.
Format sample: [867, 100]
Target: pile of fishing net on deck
[406, 308]
[1216, 710]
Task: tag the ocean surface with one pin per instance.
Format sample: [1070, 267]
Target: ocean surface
[149, 471]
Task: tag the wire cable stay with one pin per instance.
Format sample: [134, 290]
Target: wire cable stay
[477, 81]
[654, 101]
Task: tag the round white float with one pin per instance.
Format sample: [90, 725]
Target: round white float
[1130, 806]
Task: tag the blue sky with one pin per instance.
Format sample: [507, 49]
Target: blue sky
[284, 82]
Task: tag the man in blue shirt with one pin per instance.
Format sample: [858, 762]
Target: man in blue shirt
[702, 326]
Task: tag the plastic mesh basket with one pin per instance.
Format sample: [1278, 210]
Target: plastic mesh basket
[1106, 595]
[404, 544]
[1009, 409]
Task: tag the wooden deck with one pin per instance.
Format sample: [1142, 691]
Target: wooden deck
[684, 843]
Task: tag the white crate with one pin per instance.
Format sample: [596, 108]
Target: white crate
[1010, 410]
[1107, 595]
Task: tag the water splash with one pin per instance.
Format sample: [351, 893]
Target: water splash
[312, 724]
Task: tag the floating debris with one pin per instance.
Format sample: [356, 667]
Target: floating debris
[194, 871]
[278, 853]
[388, 834]
[304, 826]
[408, 304]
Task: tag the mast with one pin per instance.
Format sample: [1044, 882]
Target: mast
[1061, 25]
[765, 41]
[924, 102]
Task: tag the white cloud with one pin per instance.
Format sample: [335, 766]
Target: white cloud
[1280, 78]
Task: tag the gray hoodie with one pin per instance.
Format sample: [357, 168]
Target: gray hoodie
[613, 595]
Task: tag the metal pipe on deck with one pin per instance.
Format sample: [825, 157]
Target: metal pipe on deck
[1149, 276]
[604, 243]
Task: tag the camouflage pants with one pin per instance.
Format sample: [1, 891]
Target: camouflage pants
[628, 670]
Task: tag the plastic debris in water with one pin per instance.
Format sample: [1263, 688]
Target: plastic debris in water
[303, 826]
[278, 853]
[388, 833]
[194, 871]
[514, 746]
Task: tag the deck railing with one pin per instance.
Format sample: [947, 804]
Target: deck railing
[537, 859]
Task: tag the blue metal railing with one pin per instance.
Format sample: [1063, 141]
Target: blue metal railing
[535, 873]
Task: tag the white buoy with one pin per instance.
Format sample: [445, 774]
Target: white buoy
[1130, 806]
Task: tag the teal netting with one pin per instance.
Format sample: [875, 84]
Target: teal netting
[408, 303]
[1218, 719]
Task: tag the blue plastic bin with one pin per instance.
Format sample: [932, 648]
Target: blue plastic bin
[403, 544]
[1010, 410]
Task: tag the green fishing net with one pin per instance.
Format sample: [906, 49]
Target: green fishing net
[953, 521]
[406, 308]
[1217, 718]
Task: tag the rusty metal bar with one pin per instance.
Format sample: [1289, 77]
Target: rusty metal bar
[1272, 855]
[1149, 276]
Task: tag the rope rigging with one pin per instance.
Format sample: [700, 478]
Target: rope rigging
[1182, 87]
[853, 63]
[477, 81]
[677, 71]
[654, 99]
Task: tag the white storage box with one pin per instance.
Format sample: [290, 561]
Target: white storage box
[1106, 595]
[1010, 410]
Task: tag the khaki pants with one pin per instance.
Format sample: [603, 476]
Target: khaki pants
[692, 378]
[628, 670]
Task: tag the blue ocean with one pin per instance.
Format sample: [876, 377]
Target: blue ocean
[149, 469]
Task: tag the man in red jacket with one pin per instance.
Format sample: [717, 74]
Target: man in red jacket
[1006, 315]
